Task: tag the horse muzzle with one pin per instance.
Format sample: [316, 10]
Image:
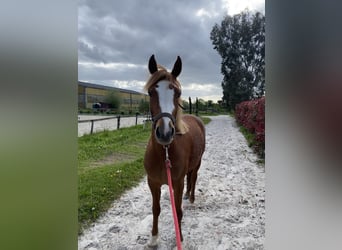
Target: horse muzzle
[164, 129]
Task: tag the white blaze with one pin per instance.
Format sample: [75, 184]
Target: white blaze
[166, 104]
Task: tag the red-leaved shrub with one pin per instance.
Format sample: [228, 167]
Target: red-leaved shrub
[251, 115]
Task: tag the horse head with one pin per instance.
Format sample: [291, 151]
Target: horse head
[164, 91]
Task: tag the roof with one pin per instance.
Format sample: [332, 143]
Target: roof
[98, 86]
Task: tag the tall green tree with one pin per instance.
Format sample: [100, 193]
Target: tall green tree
[113, 99]
[240, 41]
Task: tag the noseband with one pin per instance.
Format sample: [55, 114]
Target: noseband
[161, 115]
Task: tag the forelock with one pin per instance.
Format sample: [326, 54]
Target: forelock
[159, 75]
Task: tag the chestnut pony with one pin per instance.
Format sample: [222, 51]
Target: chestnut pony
[184, 135]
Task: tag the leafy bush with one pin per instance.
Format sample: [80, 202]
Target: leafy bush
[251, 115]
[113, 99]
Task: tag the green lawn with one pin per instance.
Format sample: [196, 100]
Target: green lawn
[110, 162]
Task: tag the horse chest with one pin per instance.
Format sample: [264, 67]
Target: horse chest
[156, 169]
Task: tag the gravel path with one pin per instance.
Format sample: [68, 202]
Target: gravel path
[228, 213]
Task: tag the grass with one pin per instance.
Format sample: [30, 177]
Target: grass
[109, 163]
[126, 141]
[100, 181]
[249, 136]
[99, 187]
[205, 120]
[252, 143]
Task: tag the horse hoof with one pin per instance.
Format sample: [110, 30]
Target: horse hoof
[153, 242]
[186, 196]
[192, 200]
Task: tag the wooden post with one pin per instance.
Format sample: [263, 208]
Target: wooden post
[190, 106]
[92, 126]
[196, 106]
[118, 126]
[131, 104]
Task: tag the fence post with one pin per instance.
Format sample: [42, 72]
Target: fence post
[190, 106]
[136, 119]
[118, 126]
[92, 126]
[196, 106]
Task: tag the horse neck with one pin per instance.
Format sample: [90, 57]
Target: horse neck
[156, 149]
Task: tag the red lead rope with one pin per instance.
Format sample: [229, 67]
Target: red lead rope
[172, 198]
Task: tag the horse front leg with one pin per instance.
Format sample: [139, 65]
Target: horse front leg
[155, 191]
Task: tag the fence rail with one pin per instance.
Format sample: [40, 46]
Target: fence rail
[128, 121]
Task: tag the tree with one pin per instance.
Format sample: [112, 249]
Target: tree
[202, 105]
[240, 41]
[144, 106]
[185, 105]
[113, 99]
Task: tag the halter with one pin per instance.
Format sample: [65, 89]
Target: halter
[161, 115]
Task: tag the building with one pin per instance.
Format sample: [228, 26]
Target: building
[90, 94]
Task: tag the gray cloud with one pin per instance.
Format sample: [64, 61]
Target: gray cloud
[128, 32]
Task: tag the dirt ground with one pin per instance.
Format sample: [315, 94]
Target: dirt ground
[228, 213]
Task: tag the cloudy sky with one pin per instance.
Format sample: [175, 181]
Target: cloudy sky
[116, 39]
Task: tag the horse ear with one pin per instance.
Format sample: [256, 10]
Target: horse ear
[177, 68]
[152, 65]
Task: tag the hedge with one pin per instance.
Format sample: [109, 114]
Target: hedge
[251, 115]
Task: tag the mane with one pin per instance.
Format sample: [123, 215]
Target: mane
[163, 74]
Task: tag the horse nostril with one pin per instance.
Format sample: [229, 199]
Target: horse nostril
[171, 133]
[157, 132]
